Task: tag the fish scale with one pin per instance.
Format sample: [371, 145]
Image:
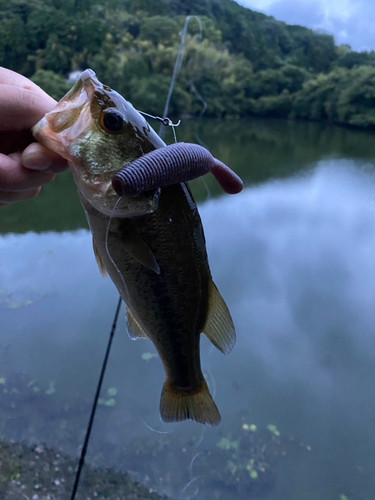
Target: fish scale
[151, 245]
[173, 305]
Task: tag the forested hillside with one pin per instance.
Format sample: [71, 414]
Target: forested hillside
[245, 64]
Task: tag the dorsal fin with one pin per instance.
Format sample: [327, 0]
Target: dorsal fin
[139, 249]
[219, 327]
[98, 259]
[135, 331]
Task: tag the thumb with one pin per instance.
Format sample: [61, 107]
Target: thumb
[22, 108]
[38, 157]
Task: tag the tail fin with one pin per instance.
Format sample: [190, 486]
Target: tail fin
[197, 405]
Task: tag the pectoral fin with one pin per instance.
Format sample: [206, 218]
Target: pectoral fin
[139, 250]
[219, 327]
[135, 331]
[98, 259]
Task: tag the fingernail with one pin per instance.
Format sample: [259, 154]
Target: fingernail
[37, 162]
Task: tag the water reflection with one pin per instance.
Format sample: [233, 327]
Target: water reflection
[293, 259]
[258, 150]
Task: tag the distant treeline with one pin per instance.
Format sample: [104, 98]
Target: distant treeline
[246, 63]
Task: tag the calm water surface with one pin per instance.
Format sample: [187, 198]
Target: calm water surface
[294, 257]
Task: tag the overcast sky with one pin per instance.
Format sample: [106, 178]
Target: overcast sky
[350, 21]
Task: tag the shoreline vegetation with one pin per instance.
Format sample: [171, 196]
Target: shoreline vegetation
[247, 63]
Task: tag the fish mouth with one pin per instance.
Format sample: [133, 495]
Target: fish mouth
[70, 118]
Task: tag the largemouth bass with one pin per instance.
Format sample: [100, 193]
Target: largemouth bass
[151, 245]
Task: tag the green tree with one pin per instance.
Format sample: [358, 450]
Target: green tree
[13, 42]
[356, 103]
[55, 85]
[160, 29]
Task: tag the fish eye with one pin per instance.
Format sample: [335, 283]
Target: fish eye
[111, 120]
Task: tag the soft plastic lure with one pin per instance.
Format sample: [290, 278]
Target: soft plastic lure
[173, 164]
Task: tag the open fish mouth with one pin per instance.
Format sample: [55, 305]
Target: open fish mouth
[74, 130]
[70, 118]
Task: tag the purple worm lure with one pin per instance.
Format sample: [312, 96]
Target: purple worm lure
[173, 164]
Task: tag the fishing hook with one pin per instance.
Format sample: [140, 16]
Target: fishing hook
[167, 122]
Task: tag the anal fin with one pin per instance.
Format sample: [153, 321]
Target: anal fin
[98, 259]
[135, 331]
[219, 327]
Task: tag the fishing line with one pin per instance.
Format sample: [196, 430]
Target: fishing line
[200, 98]
[95, 402]
[178, 64]
[167, 122]
[109, 255]
[104, 365]
[211, 383]
[174, 134]
[193, 460]
[197, 138]
[189, 483]
[213, 391]
[151, 428]
[194, 494]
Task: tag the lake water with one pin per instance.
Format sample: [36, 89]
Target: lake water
[294, 257]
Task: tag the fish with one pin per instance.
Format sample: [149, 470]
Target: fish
[151, 245]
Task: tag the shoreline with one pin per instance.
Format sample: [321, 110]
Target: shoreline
[42, 473]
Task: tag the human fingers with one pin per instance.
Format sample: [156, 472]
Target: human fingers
[6, 198]
[15, 177]
[15, 140]
[38, 157]
[22, 108]
[9, 77]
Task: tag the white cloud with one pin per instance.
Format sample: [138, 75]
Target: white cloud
[350, 21]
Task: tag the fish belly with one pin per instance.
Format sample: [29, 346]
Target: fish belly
[169, 306]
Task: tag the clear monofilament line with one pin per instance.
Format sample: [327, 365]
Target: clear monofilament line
[177, 66]
[174, 134]
[104, 366]
[108, 253]
[167, 122]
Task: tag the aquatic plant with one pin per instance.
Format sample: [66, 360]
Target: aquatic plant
[242, 463]
[250, 455]
[146, 356]
[111, 401]
[20, 298]
[9, 467]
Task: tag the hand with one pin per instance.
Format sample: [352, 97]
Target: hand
[24, 164]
